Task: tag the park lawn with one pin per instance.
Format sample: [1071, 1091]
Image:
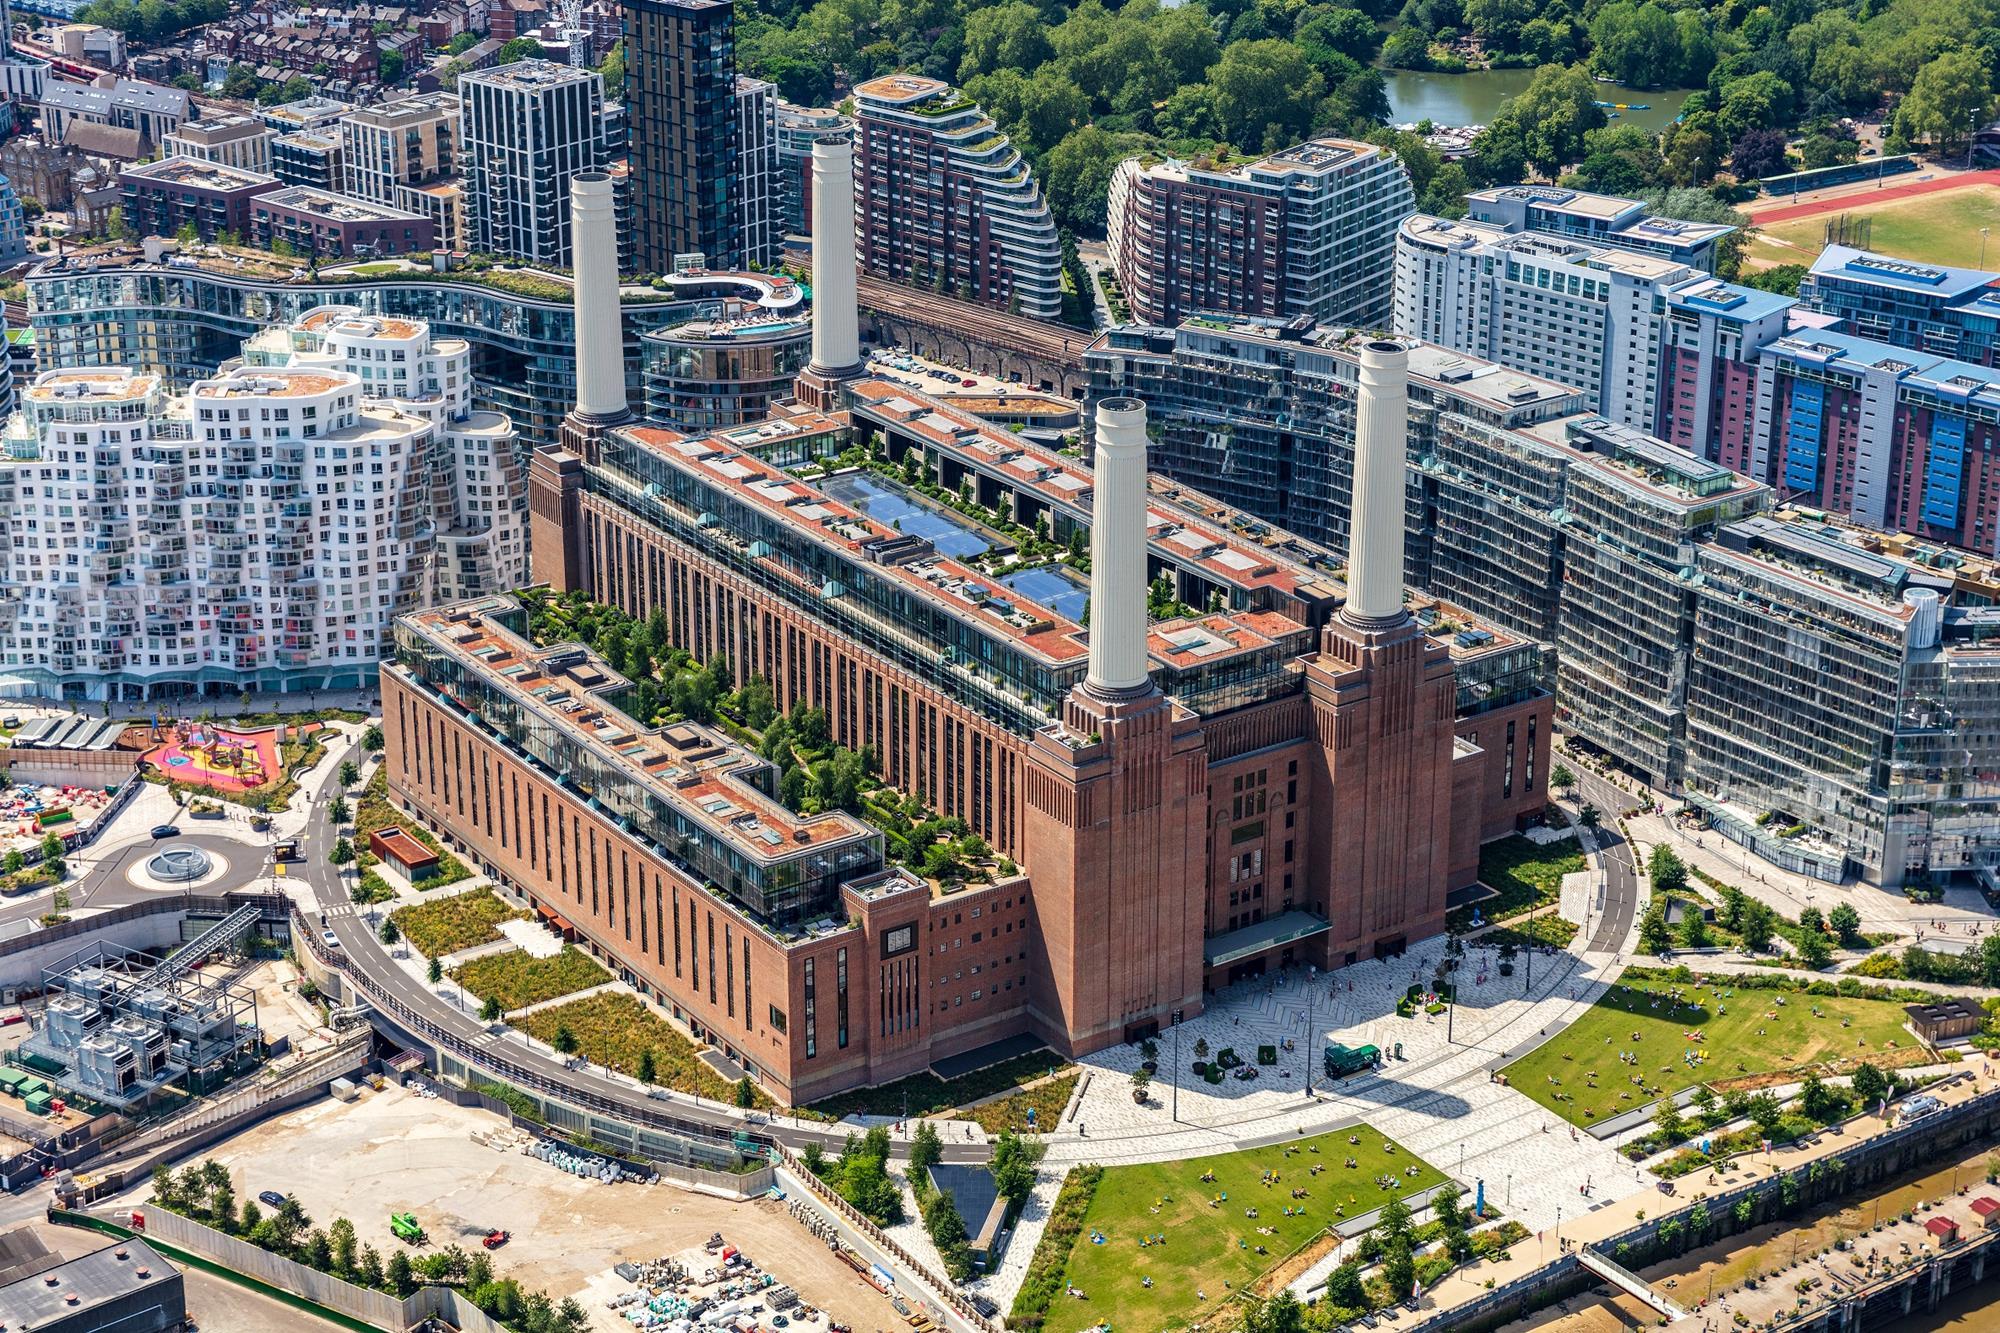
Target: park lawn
[1523, 875]
[1201, 1251]
[1940, 228]
[446, 925]
[517, 979]
[1743, 1042]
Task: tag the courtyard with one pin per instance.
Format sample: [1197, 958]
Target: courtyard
[1647, 1037]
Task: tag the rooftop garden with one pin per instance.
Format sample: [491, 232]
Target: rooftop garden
[815, 775]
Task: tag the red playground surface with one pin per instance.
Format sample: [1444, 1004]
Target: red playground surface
[201, 755]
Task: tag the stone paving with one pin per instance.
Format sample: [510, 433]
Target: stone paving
[1439, 1101]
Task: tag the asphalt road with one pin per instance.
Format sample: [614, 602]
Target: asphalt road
[1621, 876]
[106, 884]
[365, 950]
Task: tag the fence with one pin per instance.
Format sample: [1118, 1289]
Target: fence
[938, 1286]
[286, 1280]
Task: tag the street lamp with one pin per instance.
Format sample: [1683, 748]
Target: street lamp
[1312, 984]
[1177, 1073]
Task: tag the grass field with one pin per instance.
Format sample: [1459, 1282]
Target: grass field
[1940, 228]
[1207, 1247]
[1745, 1033]
[518, 980]
[1523, 874]
[446, 925]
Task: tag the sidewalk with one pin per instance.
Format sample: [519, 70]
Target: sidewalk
[1471, 1281]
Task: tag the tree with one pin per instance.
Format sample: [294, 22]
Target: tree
[1349, 32]
[462, 42]
[746, 1095]
[926, 1149]
[389, 66]
[368, 1269]
[1499, 22]
[814, 1158]
[565, 1040]
[289, 1223]
[1668, 1121]
[1846, 923]
[350, 773]
[1759, 923]
[1814, 949]
[1989, 960]
[518, 49]
[435, 971]
[372, 739]
[649, 1070]
[1344, 1289]
[1010, 36]
[1812, 920]
[14, 861]
[1264, 94]
[1694, 930]
[251, 1219]
[51, 847]
[1871, 1085]
[1399, 1267]
[337, 810]
[492, 1011]
[1588, 816]
[1076, 174]
[1545, 125]
[1764, 1110]
[401, 1281]
[1667, 871]
[342, 853]
[1013, 1166]
[340, 1239]
[1759, 153]
[755, 702]
[390, 932]
[947, 1232]
[1561, 778]
[1947, 100]
[1279, 1314]
[612, 70]
[317, 1252]
[1653, 936]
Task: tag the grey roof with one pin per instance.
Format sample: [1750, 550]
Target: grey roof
[100, 1276]
[89, 100]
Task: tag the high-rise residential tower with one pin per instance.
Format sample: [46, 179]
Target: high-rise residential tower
[527, 130]
[757, 135]
[680, 93]
[946, 202]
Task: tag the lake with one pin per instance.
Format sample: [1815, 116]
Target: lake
[1475, 97]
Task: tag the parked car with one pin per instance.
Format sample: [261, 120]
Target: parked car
[331, 940]
[271, 1198]
[165, 831]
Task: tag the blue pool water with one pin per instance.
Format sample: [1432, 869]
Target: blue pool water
[898, 511]
[1062, 595]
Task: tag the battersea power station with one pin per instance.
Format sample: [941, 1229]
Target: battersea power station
[1195, 747]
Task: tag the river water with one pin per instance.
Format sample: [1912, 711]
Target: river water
[1475, 97]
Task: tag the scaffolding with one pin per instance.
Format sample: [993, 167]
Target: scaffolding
[121, 1029]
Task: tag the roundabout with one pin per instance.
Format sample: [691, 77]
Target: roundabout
[179, 866]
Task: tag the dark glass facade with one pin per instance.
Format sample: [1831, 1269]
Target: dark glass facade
[680, 96]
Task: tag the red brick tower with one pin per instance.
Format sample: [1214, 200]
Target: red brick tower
[1117, 802]
[1381, 706]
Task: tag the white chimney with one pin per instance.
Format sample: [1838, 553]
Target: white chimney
[1118, 550]
[836, 346]
[1381, 446]
[600, 335]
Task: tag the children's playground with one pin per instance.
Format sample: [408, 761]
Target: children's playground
[201, 754]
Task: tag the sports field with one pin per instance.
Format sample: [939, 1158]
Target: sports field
[1211, 1246]
[1940, 228]
[1730, 1033]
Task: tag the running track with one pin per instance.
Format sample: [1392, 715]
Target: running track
[1869, 198]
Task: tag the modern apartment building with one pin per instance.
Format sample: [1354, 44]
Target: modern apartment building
[1711, 339]
[1309, 232]
[1636, 510]
[799, 128]
[261, 532]
[1597, 219]
[13, 225]
[182, 316]
[1260, 415]
[1578, 313]
[336, 226]
[243, 142]
[943, 200]
[1844, 702]
[308, 113]
[160, 198]
[528, 129]
[757, 159]
[311, 158]
[1891, 438]
[476, 476]
[412, 141]
[680, 94]
[1947, 312]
